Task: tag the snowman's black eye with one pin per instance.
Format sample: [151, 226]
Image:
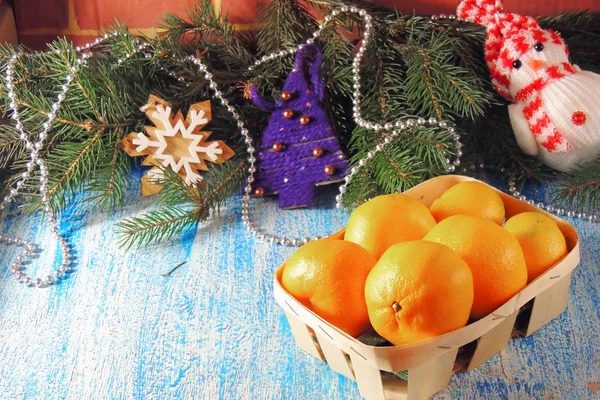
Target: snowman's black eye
[517, 64]
[538, 47]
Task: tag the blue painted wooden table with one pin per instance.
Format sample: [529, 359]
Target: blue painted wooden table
[119, 329]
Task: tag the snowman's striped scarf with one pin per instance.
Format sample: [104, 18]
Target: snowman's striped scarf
[544, 130]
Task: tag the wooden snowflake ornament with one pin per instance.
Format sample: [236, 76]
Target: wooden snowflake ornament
[176, 143]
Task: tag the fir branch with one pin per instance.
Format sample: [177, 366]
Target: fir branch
[203, 21]
[413, 155]
[173, 219]
[175, 189]
[286, 23]
[573, 23]
[413, 67]
[442, 89]
[427, 78]
[395, 167]
[580, 191]
[11, 146]
[381, 93]
[74, 161]
[337, 74]
[68, 60]
[360, 189]
[111, 182]
[491, 141]
[223, 182]
[87, 125]
[157, 225]
[212, 31]
[101, 103]
[364, 191]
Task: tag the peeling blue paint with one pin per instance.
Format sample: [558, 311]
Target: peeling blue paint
[118, 329]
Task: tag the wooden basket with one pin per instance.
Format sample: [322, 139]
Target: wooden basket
[431, 362]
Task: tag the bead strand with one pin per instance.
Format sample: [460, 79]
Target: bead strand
[97, 41]
[512, 189]
[395, 128]
[251, 163]
[432, 122]
[34, 146]
[140, 49]
[451, 17]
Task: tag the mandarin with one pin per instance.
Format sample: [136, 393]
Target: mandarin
[540, 238]
[386, 220]
[493, 254]
[328, 277]
[418, 290]
[469, 198]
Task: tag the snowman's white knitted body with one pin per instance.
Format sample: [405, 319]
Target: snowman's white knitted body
[556, 107]
[572, 103]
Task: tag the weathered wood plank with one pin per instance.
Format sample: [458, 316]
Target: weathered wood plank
[118, 329]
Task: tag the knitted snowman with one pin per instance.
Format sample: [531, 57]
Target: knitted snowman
[556, 109]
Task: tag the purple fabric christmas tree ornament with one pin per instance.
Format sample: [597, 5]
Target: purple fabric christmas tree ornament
[299, 148]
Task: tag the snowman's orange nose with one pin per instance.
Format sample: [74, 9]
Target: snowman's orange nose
[536, 64]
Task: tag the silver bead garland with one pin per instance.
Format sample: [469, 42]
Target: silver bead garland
[34, 143]
[432, 122]
[394, 129]
[36, 161]
[512, 189]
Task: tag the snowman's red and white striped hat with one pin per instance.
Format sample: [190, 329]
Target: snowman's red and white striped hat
[508, 37]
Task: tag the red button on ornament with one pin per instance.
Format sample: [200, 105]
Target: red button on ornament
[578, 118]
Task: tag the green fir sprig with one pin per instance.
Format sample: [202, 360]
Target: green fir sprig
[580, 189]
[414, 67]
[181, 206]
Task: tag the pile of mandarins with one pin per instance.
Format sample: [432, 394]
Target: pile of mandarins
[412, 273]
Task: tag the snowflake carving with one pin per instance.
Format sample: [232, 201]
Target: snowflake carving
[176, 143]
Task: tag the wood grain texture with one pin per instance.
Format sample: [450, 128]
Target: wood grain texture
[8, 29]
[118, 329]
